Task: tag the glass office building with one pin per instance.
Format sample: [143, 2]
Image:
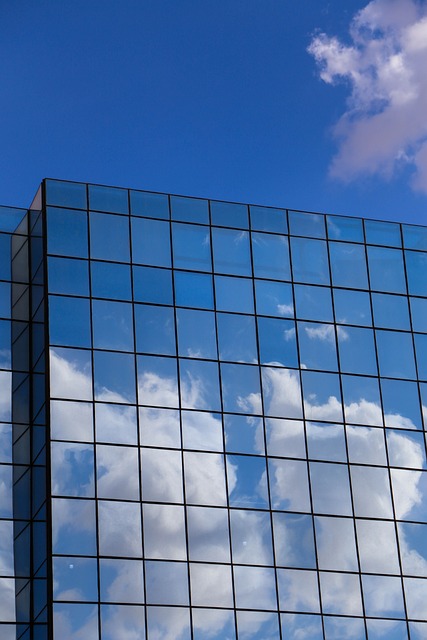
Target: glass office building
[212, 421]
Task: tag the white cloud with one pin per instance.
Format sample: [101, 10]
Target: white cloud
[384, 125]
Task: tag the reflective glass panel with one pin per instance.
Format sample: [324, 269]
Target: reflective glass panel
[109, 237]
[190, 209]
[416, 264]
[67, 232]
[152, 285]
[191, 247]
[268, 219]
[271, 256]
[386, 270]
[384, 233]
[310, 261]
[341, 228]
[151, 205]
[348, 265]
[352, 307]
[154, 329]
[390, 312]
[151, 242]
[313, 303]
[229, 214]
[236, 337]
[110, 280]
[274, 298]
[196, 333]
[231, 252]
[306, 224]
[108, 199]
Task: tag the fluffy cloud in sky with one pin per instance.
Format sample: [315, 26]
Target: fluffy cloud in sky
[384, 64]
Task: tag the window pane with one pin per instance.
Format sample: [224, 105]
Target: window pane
[274, 299]
[277, 342]
[311, 225]
[114, 377]
[69, 321]
[66, 194]
[310, 261]
[152, 205]
[151, 242]
[386, 270]
[313, 303]
[268, 219]
[112, 325]
[271, 256]
[196, 333]
[416, 265]
[67, 232]
[191, 247]
[190, 210]
[108, 199]
[109, 237]
[234, 294]
[193, 290]
[395, 354]
[384, 233]
[155, 329]
[317, 345]
[229, 214]
[352, 307]
[231, 252]
[110, 280]
[341, 228]
[237, 337]
[152, 285]
[348, 265]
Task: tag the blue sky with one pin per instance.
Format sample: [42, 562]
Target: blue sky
[221, 99]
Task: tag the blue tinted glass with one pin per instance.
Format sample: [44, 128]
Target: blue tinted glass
[193, 290]
[390, 311]
[109, 237]
[317, 345]
[5, 307]
[112, 325]
[196, 333]
[357, 350]
[191, 247]
[313, 303]
[341, 228]
[66, 194]
[414, 237]
[190, 209]
[67, 232]
[395, 354]
[271, 256]
[274, 298]
[419, 314]
[277, 342]
[69, 321]
[152, 285]
[348, 265]
[231, 252]
[114, 376]
[384, 233]
[352, 307]
[110, 280]
[268, 219]
[311, 225]
[236, 338]
[401, 404]
[151, 205]
[240, 388]
[151, 242]
[421, 351]
[157, 381]
[5, 262]
[68, 276]
[310, 261]
[155, 329]
[234, 294]
[228, 214]
[199, 385]
[416, 266]
[386, 270]
[108, 199]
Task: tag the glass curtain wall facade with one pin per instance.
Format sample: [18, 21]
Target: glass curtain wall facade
[236, 432]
